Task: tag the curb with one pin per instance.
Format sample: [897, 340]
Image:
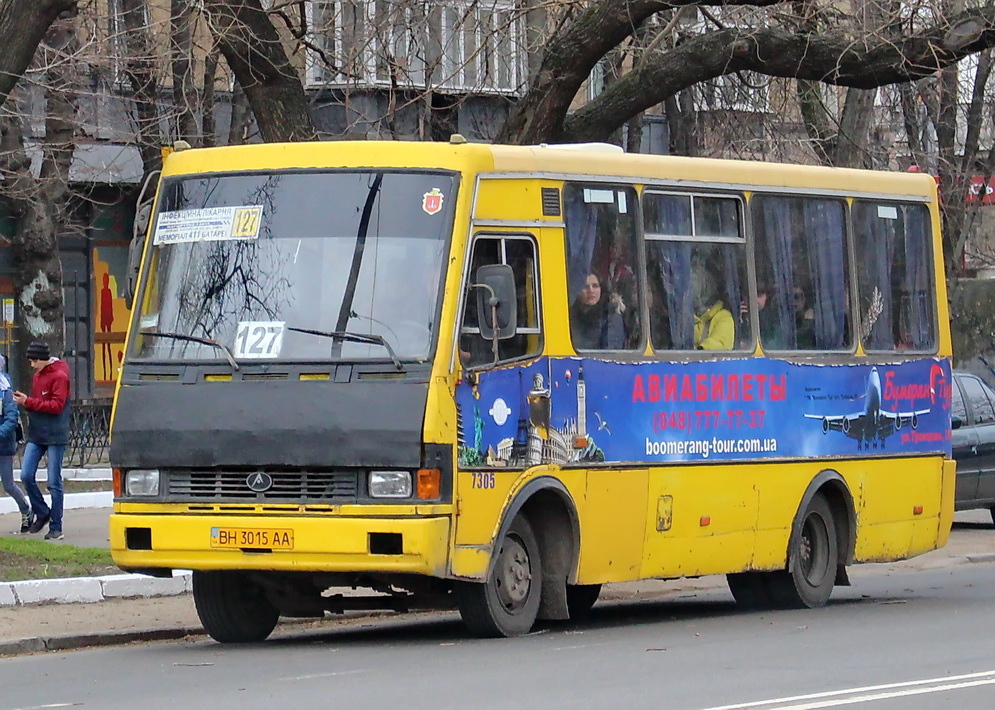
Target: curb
[80, 474]
[73, 641]
[70, 501]
[84, 590]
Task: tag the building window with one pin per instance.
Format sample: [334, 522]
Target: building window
[117, 34]
[460, 45]
[741, 91]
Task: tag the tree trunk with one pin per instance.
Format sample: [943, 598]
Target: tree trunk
[682, 124]
[253, 49]
[207, 99]
[851, 141]
[38, 281]
[139, 67]
[241, 116]
[185, 100]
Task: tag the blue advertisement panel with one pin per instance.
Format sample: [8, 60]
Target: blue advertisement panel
[576, 410]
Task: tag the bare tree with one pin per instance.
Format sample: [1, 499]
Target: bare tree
[40, 203]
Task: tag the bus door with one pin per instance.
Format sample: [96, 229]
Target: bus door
[497, 437]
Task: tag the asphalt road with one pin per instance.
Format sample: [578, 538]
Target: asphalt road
[901, 637]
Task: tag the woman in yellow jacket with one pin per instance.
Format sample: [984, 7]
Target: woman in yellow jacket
[714, 328]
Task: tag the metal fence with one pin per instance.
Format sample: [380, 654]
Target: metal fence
[89, 435]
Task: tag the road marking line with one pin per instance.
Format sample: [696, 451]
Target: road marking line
[583, 645]
[322, 675]
[872, 697]
[982, 678]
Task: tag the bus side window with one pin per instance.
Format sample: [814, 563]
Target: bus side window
[601, 267]
[520, 254]
[696, 272]
[801, 253]
[894, 277]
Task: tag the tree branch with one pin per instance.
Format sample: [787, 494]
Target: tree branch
[23, 24]
[831, 59]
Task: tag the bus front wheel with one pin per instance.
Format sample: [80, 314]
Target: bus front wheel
[233, 608]
[809, 580]
[507, 603]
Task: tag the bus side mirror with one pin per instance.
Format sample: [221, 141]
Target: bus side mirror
[956, 422]
[497, 312]
[139, 228]
[135, 252]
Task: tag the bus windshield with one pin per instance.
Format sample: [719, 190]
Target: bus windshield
[273, 266]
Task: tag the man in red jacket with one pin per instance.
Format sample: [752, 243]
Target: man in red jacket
[48, 431]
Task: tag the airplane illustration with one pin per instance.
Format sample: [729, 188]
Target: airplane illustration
[871, 426]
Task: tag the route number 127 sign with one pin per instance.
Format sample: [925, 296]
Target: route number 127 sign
[258, 339]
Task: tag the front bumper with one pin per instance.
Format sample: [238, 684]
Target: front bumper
[321, 543]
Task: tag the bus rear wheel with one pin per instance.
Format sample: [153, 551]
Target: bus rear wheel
[809, 580]
[507, 603]
[233, 608]
[749, 589]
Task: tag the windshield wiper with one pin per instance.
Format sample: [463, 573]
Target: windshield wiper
[193, 339]
[370, 338]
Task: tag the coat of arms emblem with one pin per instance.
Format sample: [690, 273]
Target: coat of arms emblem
[432, 201]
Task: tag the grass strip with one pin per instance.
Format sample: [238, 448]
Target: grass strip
[23, 558]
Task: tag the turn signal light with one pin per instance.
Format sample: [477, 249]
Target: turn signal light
[429, 483]
[917, 510]
[118, 476]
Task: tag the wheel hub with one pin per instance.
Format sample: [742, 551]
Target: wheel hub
[514, 576]
[812, 550]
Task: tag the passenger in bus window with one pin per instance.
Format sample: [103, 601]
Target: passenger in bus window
[596, 318]
[902, 320]
[613, 260]
[771, 334]
[660, 334]
[804, 321]
[714, 328]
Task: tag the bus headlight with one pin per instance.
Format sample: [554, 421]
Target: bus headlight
[142, 482]
[390, 484]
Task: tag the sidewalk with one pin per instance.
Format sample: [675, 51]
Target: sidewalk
[85, 525]
[168, 612]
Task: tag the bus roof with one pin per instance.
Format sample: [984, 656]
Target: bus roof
[584, 159]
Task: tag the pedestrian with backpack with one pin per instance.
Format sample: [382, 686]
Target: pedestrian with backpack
[8, 446]
[48, 432]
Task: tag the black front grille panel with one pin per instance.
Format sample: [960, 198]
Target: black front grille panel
[305, 486]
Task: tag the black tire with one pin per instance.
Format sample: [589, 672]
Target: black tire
[749, 589]
[507, 603]
[580, 599]
[233, 608]
[813, 556]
